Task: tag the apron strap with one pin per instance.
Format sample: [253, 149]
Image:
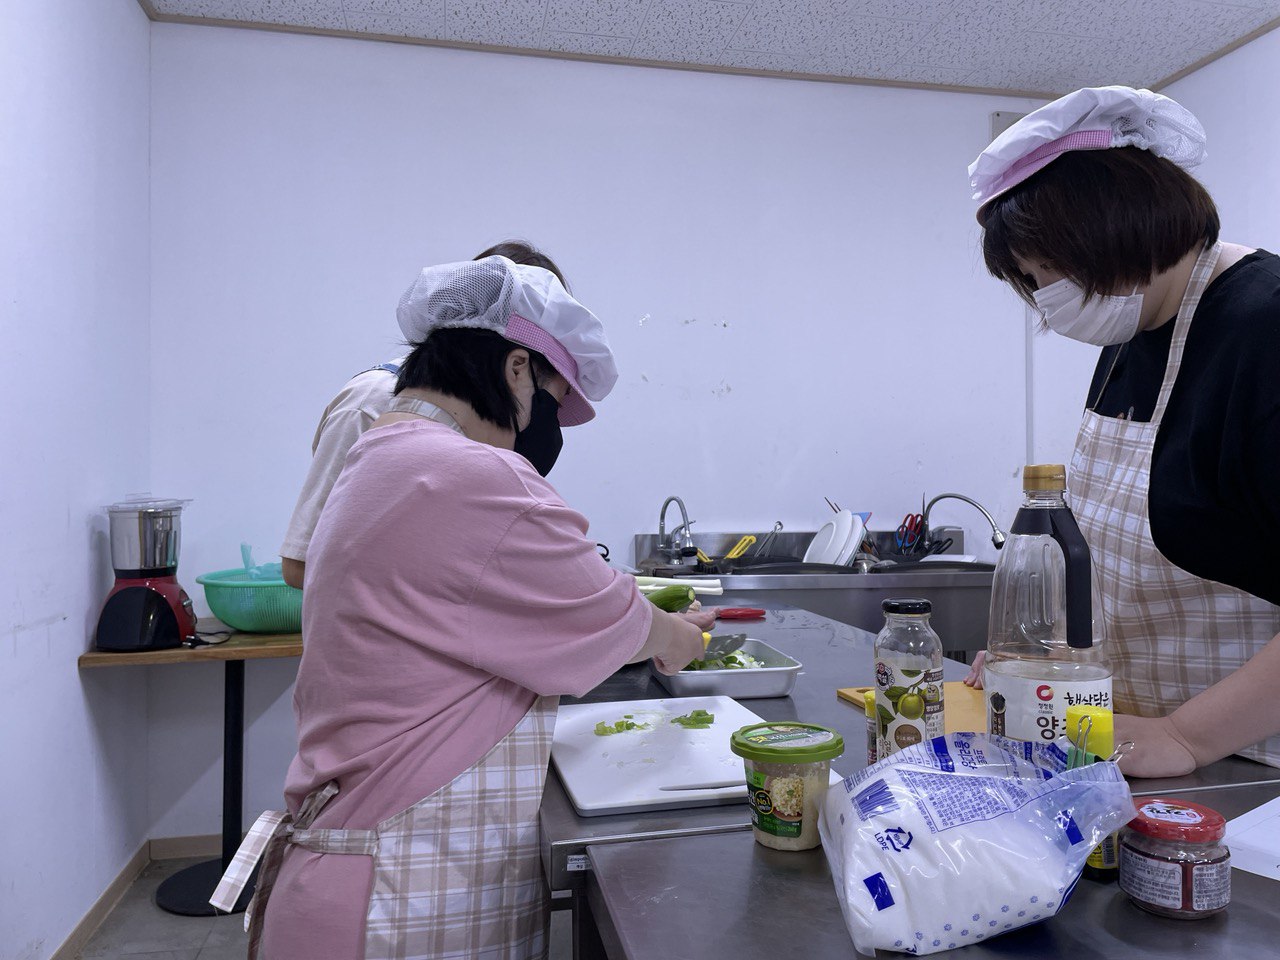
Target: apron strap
[351, 842]
[264, 830]
[314, 803]
[266, 841]
[1200, 274]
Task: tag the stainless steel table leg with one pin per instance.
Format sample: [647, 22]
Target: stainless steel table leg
[586, 937]
[187, 892]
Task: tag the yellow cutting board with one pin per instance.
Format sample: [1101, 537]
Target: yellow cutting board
[964, 708]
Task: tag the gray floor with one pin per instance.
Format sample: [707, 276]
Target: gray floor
[139, 930]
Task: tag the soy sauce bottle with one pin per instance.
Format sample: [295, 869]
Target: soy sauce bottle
[1045, 645]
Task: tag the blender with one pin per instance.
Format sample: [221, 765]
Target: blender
[147, 608]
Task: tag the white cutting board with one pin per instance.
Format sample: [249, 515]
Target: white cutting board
[625, 772]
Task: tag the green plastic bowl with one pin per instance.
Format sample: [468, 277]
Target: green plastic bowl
[252, 606]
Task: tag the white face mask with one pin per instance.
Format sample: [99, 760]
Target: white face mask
[1101, 320]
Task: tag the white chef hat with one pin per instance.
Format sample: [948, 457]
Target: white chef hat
[527, 305]
[1095, 118]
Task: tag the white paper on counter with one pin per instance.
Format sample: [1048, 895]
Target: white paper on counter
[1254, 840]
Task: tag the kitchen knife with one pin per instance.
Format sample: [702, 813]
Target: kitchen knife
[721, 785]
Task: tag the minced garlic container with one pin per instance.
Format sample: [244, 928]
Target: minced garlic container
[788, 766]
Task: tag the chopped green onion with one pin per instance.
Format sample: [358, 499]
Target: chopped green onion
[737, 660]
[603, 729]
[698, 720]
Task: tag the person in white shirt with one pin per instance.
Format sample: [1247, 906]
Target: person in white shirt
[363, 399]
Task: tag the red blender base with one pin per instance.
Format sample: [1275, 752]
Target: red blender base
[146, 610]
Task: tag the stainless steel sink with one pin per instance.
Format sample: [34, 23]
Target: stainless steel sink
[932, 567]
[960, 591]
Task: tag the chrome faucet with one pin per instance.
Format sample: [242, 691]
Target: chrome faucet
[680, 547]
[997, 535]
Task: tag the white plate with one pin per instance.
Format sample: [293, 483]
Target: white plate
[854, 542]
[829, 542]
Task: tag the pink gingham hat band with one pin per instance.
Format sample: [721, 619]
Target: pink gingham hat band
[574, 409]
[1039, 158]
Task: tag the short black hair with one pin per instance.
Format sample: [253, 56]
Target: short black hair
[469, 364]
[1109, 220]
[525, 253]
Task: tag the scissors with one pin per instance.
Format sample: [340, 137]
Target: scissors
[939, 546]
[909, 532]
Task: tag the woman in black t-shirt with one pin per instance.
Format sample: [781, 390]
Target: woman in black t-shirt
[1089, 213]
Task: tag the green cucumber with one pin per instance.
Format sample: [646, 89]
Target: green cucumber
[672, 599]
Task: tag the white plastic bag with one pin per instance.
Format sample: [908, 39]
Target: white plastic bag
[964, 837]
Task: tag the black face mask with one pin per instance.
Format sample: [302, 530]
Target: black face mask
[540, 441]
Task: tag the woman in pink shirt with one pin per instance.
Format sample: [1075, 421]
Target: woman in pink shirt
[451, 597]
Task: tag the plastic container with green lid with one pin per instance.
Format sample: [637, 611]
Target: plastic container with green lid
[788, 766]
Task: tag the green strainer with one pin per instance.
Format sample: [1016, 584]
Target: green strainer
[252, 606]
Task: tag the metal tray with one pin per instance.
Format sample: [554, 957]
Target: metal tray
[777, 678]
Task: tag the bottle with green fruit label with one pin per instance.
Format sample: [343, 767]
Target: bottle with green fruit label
[909, 698]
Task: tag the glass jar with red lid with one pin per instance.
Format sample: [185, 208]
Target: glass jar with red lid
[1173, 861]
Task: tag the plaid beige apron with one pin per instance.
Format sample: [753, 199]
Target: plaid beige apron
[456, 875]
[1171, 635]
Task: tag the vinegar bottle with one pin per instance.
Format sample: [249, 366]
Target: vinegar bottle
[1046, 644]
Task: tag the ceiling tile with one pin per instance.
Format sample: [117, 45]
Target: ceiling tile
[688, 31]
[900, 72]
[1066, 65]
[1140, 20]
[612, 18]
[510, 23]
[764, 62]
[423, 19]
[1101, 61]
[869, 46]
[1043, 45]
[927, 73]
[765, 29]
[376, 23]
[406, 9]
[591, 44]
[975, 34]
[925, 10]
[324, 14]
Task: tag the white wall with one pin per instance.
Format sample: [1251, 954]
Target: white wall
[75, 368]
[787, 270]
[1243, 139]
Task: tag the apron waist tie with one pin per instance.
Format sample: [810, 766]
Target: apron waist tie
[266, 841]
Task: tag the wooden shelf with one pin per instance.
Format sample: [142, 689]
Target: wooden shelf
[241, 646]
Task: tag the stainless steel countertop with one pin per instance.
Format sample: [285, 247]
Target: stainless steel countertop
[725, 895]
[834, 655]
[694, 884]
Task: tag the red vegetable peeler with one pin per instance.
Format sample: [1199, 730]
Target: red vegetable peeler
[740, 613]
